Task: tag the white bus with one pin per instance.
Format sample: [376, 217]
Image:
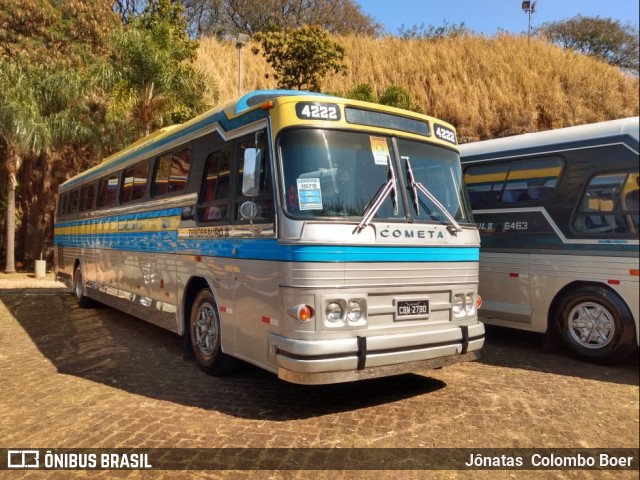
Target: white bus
[322, 239]
[558, 219]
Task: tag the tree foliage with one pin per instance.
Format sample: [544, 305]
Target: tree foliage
[605, 38]
[392, 96]
[301, 57]
[220, 17]
[432, 32]
[48, 31]
[152, 76]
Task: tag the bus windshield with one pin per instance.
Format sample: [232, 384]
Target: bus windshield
[330, 173]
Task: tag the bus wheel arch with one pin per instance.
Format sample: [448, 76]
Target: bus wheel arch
[594, 322]
[202, 337]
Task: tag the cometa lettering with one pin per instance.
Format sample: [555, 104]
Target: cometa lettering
[420, 234]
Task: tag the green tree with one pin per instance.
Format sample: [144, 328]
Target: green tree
[301, 57]
[151, 72]
[36, 117]
[432, 32]
[604, 38]
[392, 96]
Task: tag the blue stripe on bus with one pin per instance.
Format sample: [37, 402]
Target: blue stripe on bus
[167, 212]
[265, 249]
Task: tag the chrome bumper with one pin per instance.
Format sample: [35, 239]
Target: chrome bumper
[348, 359]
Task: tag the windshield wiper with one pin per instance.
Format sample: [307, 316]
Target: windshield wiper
[387, 189]
[415, 186]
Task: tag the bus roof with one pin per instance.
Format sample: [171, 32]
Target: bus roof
[232, 115]
[539, 140]
[235, 114]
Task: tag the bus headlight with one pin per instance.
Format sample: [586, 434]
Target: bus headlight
[334, 312]
[470, 304]
[457, 306]
[355, 310]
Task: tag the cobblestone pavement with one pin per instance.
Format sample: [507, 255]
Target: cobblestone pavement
[74, 378]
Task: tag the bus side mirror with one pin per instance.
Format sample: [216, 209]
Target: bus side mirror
[251, 172]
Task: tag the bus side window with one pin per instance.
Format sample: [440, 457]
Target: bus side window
[62, 209]
[602, 208]
[264, 199]
[172, 171]
[214, 196]
[134, 183]
[485, 184]
[107, 191]
[87, 197]
[74, 197]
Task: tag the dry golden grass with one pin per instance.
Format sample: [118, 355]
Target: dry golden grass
[486, 87]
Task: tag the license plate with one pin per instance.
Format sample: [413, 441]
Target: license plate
[406, 309]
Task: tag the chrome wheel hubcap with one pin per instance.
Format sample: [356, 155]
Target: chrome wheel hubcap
[591, 325]
[205, 329]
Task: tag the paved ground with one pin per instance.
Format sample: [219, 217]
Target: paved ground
[98, 378]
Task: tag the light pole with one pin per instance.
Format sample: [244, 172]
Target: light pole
[241, 40]
[530, 8]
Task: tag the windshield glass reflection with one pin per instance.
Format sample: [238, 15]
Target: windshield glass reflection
[328, 173]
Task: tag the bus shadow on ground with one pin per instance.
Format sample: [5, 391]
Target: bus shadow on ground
[109, 347]
[512, 348]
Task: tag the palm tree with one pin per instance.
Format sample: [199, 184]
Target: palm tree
[153, 80]
[23, 133]
[38, 114]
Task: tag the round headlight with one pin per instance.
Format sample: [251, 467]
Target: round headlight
[470, 304]
[458, 304]
[334, 312]
[354, 311]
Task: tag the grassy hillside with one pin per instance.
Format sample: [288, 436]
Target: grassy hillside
[487, 87]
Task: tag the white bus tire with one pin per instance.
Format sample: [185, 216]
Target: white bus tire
[205, 335]
[596, 325]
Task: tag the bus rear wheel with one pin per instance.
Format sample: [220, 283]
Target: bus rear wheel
[78, 290]
[206, 338]
[596, 325]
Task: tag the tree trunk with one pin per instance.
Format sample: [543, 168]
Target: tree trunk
[10, 265]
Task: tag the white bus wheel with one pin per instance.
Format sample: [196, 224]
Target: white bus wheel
[206, 338]
[596, 325]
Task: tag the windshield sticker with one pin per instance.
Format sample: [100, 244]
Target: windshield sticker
[309, 194]
[380, 150]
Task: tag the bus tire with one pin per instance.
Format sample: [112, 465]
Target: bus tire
[596, 325]
[78, 290]
[206, 338]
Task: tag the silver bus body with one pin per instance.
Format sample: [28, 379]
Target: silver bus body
[152, 258]
[558, 217]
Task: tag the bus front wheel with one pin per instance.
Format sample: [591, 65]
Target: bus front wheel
[596, 325]
[206, 338]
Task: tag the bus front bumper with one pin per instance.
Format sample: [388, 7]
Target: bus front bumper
[314, 362]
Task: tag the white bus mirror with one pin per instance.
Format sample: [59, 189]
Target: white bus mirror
[251, 172]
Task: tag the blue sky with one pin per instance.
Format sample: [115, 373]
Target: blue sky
[489, 16]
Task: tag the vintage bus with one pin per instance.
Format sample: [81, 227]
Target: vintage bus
[322, 239]
[558, 219]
